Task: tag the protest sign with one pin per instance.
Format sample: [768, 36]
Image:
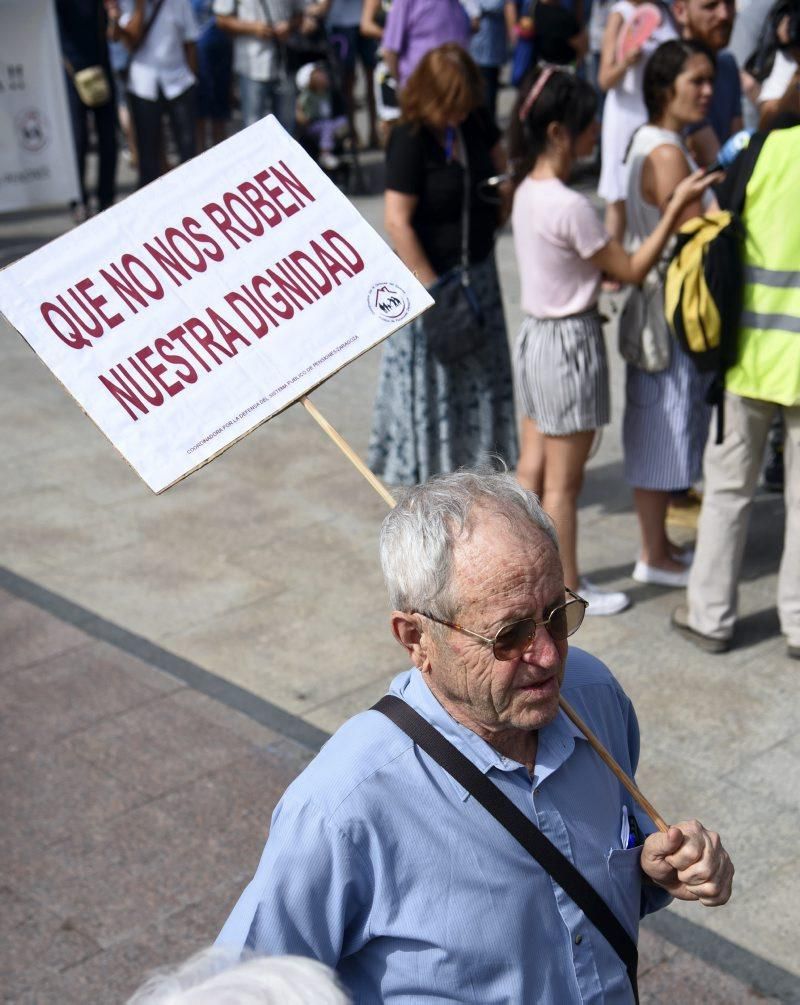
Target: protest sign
[37, 155]
[185, 316]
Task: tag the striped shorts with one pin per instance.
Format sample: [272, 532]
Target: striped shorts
[561, 373]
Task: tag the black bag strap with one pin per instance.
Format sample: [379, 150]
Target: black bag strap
[465, 201]
[743, 167]
[518, 825]
[147, 26]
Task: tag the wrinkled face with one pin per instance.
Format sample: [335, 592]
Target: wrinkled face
[692, 91]
[502, 573]
[708, 21]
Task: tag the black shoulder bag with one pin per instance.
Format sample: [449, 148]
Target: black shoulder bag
[518, 825]
[455, 326]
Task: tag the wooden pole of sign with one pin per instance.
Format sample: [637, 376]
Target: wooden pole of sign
[569, 711]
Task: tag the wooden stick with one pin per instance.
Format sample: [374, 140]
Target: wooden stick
[646, 805]
[388, 498]
[348, 451]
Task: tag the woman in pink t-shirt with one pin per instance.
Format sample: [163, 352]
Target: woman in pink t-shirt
[562, 252]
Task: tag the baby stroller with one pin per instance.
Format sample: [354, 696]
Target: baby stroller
[340, 162]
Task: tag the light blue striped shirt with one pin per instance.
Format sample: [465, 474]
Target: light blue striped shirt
[381, 865]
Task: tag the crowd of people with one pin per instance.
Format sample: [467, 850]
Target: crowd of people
[654, 83]
[358, 873]
[663, 98]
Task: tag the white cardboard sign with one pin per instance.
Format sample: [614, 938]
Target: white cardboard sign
[202, 305]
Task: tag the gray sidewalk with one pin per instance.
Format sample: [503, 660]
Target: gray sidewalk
[135, 808]
[170, 663]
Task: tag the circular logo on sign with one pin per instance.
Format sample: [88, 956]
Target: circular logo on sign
[31, 128]
[389, 301]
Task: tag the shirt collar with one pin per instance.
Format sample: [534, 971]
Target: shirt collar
[556, 740]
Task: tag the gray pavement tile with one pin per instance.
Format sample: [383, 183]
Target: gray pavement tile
[28, 634]
[686, 979]
[232, 807]
[289, 650]
[331, 714]
[654, 950]
[117, 876]
[68, 692]
[49, 793]
[33, 938]
[155, 747]
[191, 587]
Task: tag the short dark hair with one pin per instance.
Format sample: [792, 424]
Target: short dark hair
[662, 69]
[564, 98]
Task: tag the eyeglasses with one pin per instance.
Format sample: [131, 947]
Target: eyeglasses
[512, 640]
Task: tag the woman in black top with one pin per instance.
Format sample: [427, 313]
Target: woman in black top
[430, 417]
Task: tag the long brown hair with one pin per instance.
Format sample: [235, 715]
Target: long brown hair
[445, 85]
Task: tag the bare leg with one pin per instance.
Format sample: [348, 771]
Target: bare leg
[651, 509]
[565, 458]
[530, 467]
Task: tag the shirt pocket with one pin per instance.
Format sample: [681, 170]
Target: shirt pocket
[625, 873]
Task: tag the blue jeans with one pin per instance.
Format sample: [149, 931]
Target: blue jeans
[259, 98]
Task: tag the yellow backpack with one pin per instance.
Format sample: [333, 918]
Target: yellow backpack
[703, 287]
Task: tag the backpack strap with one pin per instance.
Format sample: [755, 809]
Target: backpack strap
[577, 888]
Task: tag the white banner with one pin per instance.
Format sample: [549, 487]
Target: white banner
[37, 153]
[202, 305]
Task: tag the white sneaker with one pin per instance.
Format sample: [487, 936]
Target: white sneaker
[328, 160]
[644, 573]
[602, 602]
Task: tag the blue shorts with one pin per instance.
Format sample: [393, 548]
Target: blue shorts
[214, 75]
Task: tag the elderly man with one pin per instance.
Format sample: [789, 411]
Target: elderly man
[382, 865]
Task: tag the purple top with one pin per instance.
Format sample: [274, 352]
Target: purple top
[414, 27]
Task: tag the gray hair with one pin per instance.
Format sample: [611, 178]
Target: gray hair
[219, 976]
[418, 536]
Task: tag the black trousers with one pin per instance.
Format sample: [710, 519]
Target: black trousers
[105, 125]
[147, 115]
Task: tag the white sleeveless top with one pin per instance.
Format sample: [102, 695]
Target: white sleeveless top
[642, 217]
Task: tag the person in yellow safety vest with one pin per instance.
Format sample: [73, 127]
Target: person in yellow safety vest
[764, 376]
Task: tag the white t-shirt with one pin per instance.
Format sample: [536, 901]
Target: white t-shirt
[555, 231]
[256, 58]
[161, 62]
[774, 87]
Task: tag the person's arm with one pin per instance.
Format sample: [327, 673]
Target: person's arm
[611, 72]
[394, 34]
[788, 104]
[703, 145]
[678, 194]
[190, 52]
[130, 34]
[510, 15]
[399, 211]
[369, 26]
[312, 891]
[579, 43]
[233, 25]
[505, 189]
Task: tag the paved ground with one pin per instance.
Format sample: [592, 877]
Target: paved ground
[170, 663]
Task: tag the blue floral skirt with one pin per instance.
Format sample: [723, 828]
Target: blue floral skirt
[431, 418]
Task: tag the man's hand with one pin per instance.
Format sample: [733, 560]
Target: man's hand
[690, 863]
[263, 30]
